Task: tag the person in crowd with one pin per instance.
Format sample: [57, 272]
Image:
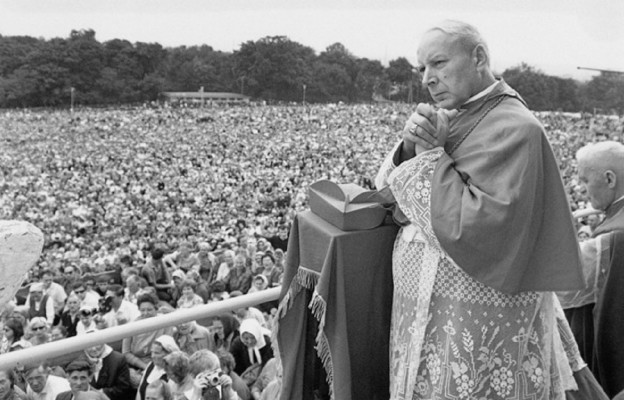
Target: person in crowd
[134, 288]
[273, 390]
[178, 277]
[13, 336]
[101, 285]
[189, 298]
[251, 312]
[39, 304]
[87, 320]
[87, 298]
[268, 374]
[485, 216]
[39, 329]
[156, 274]
[225, 328]
[204, 365]
[137, 349]
[110, 372]
[223, 272]
[190, 337]
[53, 290]
[183, 258]
[58, 332]
[227, 362]
[91, 285]
[155, 370]
[71, 315]
[41, 385]
[70, 274]
[218, 291]
[590, 310]
[260, 282]
[8, 389]
[240, 275]
[122, 311]
[269, 270]
[158, 390]
[251, 350]
[79, 374]
[178, 371]
[201, 287]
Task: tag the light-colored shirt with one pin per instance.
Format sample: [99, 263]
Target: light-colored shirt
[54, 385]
[127, 311]
[58, 295]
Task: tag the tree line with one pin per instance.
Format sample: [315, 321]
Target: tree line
[35, 72]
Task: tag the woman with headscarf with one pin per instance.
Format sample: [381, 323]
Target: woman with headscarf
[155, 370]
[251, 350]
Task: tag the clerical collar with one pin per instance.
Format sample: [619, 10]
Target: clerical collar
[482, 93]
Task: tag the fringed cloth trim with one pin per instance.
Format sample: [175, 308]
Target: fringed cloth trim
[304, 278]
[318, 308]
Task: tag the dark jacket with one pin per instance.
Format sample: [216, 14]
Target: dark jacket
[114, 377]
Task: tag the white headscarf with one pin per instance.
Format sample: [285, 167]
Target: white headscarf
[252, 326]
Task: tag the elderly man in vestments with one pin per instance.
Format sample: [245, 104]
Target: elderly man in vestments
[489, 238]
[595, 313]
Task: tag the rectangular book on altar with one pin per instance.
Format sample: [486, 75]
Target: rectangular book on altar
[347, 206]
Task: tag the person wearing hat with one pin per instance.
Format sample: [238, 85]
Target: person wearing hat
[155, 370]
[39, 304]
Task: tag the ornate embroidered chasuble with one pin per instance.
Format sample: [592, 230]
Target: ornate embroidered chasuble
[453, 337]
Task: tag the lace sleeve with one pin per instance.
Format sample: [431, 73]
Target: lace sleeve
[411, 185]
[387, 166]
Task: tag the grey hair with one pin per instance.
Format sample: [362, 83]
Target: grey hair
[602, 156]
[203, 360]
[467, 34]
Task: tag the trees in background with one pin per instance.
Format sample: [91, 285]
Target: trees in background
[37, 72]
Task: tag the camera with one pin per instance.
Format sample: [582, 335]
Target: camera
[105, 304]
[212, 391]
[214, 378]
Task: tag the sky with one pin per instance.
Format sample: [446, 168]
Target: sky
[555, 36]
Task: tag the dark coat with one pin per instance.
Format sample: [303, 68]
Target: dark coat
[114, 377]
[241, 355]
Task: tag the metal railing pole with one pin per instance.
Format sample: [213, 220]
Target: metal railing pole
[65, 346]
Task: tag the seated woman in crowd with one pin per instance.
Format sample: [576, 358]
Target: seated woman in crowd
[224, 329]
[39, 330]
[251, 350]
[13, 337]
[189, 298]
[190, 337]
[137, 348]
[155, 370]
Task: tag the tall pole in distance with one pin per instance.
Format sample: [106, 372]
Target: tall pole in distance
[71, 106]
[304, 89]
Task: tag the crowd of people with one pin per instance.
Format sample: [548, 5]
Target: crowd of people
[152, 209]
